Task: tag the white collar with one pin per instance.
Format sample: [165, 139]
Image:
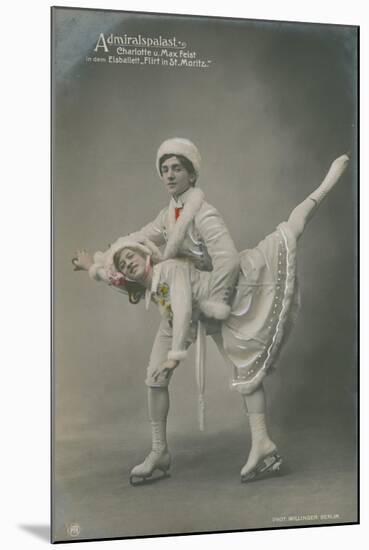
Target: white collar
[192, 199]
[181, 200]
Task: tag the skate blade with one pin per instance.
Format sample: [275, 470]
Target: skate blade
[136, 481]
[269, 465]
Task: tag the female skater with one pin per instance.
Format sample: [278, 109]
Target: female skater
[263, 305]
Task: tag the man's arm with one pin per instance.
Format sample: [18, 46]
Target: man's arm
[225, 260]
[154, 231]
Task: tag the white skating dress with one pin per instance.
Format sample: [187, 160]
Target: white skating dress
[263, 307]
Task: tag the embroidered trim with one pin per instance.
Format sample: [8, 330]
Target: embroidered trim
[248, 383]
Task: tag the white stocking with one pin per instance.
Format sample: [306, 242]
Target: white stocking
[158, 402]
[305, 210]
[261, 444]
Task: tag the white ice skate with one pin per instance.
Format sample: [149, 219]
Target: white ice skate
[156, 460]
[270, 464]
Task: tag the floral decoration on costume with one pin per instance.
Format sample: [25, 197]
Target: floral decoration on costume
[162, 298]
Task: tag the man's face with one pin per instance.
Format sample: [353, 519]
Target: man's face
[131, 264]
[175, 176]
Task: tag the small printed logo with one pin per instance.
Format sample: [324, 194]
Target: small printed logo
[74, 529]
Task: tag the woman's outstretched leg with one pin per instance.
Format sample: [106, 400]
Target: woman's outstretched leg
[263, 454]
[159, 457]
[305, 210]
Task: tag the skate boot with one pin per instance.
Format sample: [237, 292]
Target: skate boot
[156, 460]
[263, 458]
[270, 464]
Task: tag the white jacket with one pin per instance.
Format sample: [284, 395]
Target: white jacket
[201, 235]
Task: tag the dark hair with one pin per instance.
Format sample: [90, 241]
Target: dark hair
[187, 164]
[135, 290]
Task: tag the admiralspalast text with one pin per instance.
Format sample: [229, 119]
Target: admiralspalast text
[138, 40]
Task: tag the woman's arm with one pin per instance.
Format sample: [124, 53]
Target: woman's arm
[94, 265]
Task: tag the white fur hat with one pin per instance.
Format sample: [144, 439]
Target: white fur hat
[103, 267]
[144, 246]
[180, 146]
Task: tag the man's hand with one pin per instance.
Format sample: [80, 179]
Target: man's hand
[165, 369]
[82, 260]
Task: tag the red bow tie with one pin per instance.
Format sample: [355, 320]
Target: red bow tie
[177, 212]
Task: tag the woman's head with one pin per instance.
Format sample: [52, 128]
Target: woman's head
[133, 266]
[131, 263]
[128, 263]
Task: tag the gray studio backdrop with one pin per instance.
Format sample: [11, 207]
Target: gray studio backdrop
[274, 107]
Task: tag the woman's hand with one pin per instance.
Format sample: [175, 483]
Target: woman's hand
[165, 369]
[82, 260]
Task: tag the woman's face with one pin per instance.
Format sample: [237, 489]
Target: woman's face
[175, 176]
[131, 264]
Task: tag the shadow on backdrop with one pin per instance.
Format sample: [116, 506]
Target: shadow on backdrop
[40, 531]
